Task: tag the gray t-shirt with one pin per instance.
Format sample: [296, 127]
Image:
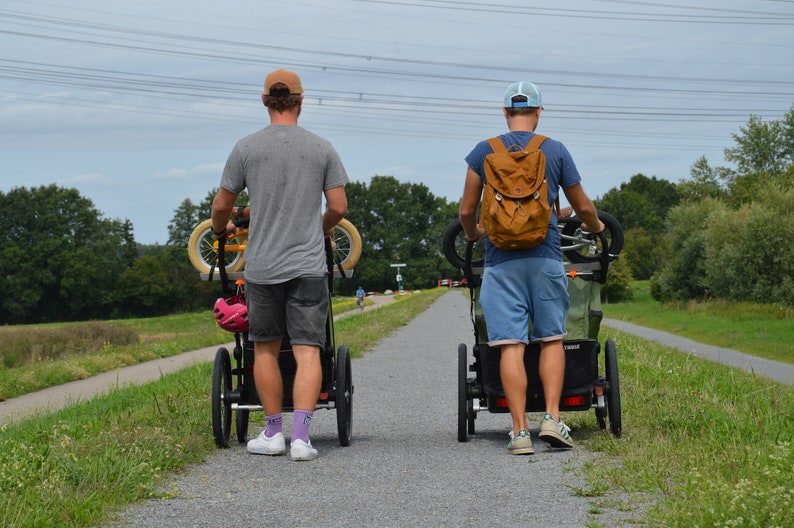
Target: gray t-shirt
[286, 169]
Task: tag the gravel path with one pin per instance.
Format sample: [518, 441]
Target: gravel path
[404, 466]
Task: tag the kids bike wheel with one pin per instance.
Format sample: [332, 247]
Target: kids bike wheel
[580, 246]
[346, 244]
[221, 406]
[202, 248]
[613, 388]
[454, 245]
[463, 408]
[344, 396]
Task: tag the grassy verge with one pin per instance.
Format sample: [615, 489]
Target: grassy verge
[703, 444]
[36, 357]
[154, 338]
[759, 330]
[77, 466]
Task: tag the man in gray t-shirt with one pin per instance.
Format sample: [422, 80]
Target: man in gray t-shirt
[287, 171]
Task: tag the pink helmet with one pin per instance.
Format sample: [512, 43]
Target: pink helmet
[232, 314]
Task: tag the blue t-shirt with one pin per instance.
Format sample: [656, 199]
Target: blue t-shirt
[561, 172]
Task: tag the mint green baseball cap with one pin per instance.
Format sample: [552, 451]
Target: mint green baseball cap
[528, 90]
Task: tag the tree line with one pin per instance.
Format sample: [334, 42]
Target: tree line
[722, 233]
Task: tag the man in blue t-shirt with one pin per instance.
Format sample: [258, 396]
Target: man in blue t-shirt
[528, 285]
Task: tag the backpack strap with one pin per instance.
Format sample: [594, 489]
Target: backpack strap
[536, 141]
[497, 145]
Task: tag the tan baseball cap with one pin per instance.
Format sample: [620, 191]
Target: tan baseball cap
[289, 78]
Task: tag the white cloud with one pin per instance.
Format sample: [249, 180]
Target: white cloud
[81, 179]
[199, 170]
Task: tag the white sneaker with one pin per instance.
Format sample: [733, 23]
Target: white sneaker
[300, 450]
[262, 445]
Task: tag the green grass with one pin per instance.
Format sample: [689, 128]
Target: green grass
[760, 330]
[32, 371]
[75, 467]
[703, 444]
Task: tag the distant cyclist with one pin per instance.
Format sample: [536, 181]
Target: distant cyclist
[360, 297]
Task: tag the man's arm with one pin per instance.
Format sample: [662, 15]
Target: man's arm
[584, 207]
[337, 208]
[222, 206]
[472, 190]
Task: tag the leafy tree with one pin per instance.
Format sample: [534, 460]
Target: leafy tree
[705, 182]
[186, 218]
[641, 206]
[642, 252]
[642, 202]
[163, 283]
[143, 289]
[188, 215]
[763, 154]
[60, 259]
[763, 147]
[683, 276]
[398, 223]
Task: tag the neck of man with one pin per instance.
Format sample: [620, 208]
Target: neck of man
[522, 123]
[287, 117]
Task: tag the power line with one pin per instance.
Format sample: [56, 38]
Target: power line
[741, 17]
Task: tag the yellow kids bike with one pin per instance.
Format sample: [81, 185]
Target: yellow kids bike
[202, 247]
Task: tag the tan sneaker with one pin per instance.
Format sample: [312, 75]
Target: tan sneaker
[520, 444]
[555, 433]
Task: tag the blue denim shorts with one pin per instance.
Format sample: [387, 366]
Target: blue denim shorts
[297, 308]
[522, 294]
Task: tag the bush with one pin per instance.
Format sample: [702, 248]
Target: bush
[683, 275]
[749, 255]
[617, 287]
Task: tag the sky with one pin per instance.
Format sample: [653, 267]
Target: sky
[138, 104]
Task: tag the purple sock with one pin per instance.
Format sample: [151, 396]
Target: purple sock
[273, 423]
[301, 420]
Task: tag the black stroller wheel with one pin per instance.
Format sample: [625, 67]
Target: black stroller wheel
[613, 388]
[221, 406]
[463, 408]
[344, 396]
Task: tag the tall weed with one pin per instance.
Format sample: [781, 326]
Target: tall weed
[29, 345]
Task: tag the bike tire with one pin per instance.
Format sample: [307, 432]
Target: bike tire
[454, 245]
[202, 249]
[612, 230]
[346, 244]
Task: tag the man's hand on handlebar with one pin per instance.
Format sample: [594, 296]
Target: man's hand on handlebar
[480, 232]
[230, 228]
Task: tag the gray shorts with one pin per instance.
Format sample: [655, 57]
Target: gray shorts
[297, 308]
